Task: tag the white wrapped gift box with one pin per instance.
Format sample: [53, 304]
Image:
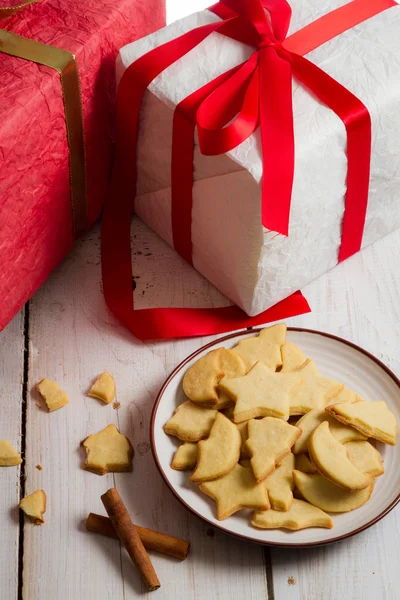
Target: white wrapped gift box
[252, 266]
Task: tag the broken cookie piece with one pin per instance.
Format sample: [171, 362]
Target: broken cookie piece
[185, 457]
[9, 457]
[103, 388]
[34, 506]
[52, 394]
[108, 452]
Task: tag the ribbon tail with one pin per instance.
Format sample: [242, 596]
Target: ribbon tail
[115, 244]
[166, 323]
[357, 122]
[277, 139]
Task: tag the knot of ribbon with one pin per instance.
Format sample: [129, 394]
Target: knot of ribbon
[258, 93]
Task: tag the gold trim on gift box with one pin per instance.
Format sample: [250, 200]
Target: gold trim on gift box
[65, 64]
[7, 11]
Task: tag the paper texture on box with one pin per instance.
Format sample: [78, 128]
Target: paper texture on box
[255, 267]
[35, 195]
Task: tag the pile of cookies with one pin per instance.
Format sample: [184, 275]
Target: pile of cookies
[263, 430]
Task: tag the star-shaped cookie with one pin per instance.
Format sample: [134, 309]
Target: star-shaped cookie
[315, 392]
[261, 393]
[266, 346]
[236, 490]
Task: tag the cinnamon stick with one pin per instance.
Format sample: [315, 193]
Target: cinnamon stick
[129, 537]
[152, 540]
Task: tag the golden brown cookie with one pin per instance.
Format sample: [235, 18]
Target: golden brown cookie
[34, 506]
[191, 423]
[279, 484]
[108, 452]
[324, 494]
[292, 357]
[233, 366]
[304, 464]
[218, 454]
[365, 457]
[185, 457]
[331, 459]
[261, 393]
[269, 441]
[103, 388]
[236, 490]
[265, 347]
[346, 395]
[315, 392]
[201, 379]
[52, 394]
[300, 516]
[373, 419]
[311, 420]
[9, 457]
[244, 453]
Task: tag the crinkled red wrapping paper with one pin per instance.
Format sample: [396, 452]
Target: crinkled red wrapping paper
[35, 209]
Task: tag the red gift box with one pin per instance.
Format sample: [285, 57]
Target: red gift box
[38, 159]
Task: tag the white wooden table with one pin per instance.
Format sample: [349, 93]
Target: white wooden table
[66, 333]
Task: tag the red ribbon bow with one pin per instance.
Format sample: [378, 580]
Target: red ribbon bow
[260, 91]
[227, 111]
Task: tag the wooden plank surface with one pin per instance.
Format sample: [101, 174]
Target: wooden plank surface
[11, 378]
[74, 338]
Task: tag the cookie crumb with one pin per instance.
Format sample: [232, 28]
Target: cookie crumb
[39, 467]
[291, 581]
[116, 405]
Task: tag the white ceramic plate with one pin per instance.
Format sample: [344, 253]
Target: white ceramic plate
[336, 358]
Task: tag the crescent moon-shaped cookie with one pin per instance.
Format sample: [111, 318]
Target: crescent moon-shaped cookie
[331, 459]
[312, 419]
[217, 455]
[201, 379]
[324, 494]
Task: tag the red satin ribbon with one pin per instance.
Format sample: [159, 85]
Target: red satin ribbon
[259, 91]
